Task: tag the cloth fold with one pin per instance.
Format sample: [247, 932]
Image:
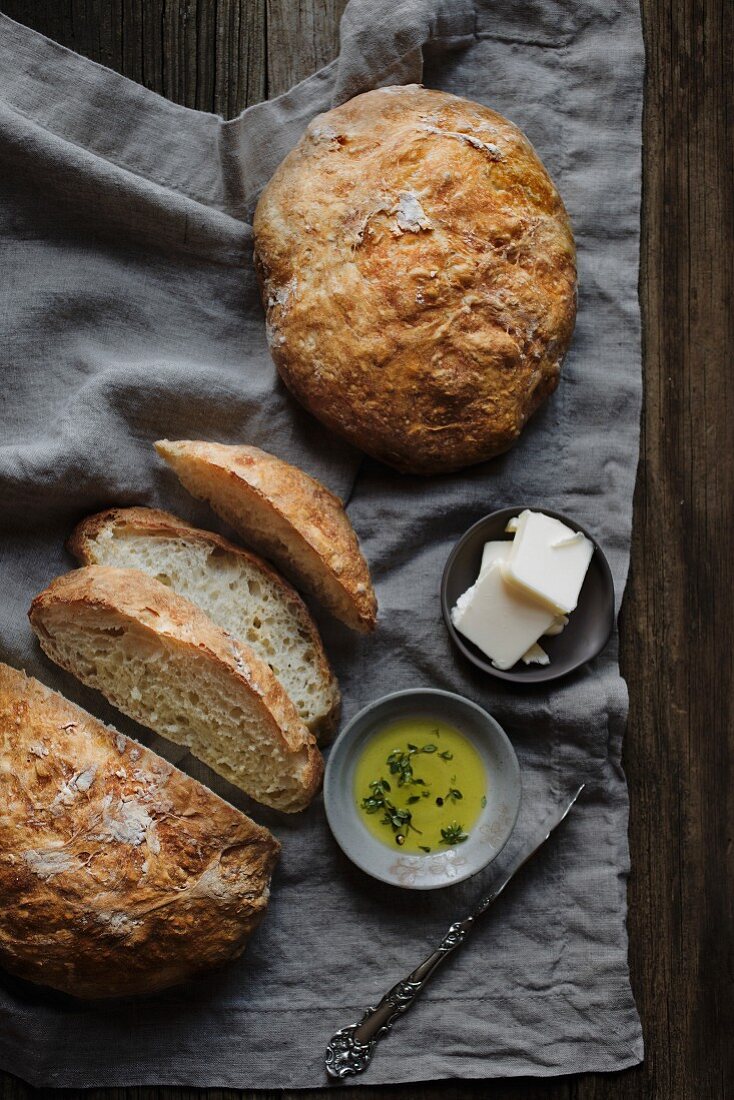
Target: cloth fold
[129, 311]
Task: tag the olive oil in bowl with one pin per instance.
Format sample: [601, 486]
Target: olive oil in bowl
[422, 789]
[420, 786]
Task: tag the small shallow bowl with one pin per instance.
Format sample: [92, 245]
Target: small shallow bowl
[589, 626]
[487, 837]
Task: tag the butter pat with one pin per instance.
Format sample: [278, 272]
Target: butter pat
[499, 619]
[557, 626]
[499, 550]
[548, 561]
[536, 655]
[494, 551]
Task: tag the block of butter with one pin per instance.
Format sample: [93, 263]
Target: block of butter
[536, 655]
[499, 618]
[500, 551]
[494, 551]
[548, 561]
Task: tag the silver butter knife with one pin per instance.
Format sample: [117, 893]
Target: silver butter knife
[350, 1050]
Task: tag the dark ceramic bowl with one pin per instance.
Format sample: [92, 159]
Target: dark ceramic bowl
[589, 626]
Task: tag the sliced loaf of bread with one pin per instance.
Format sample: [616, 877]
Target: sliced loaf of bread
[119, 874]
[286, 515]
[237, 590]
[162, 661]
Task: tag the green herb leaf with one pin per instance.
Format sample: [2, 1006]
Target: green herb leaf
[413, 799]
[428, 748]
[423, 848]
[453, 834]
[446, 755]
[371, 805]
[484, 801]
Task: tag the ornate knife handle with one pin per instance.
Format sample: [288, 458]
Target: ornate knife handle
[350, 1050]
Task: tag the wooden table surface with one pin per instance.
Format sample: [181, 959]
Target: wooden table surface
[677, 623]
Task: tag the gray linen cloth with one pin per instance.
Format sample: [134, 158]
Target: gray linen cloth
[129, 311]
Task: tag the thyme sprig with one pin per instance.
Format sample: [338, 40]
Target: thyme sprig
[398, 820]
[401, 763]
[453, 834]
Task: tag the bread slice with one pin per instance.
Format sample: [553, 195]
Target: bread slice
[118, 873]
[236, 589]
[163, 662]
[288, 516]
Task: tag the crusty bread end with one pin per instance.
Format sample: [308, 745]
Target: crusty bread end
[286, 515]
[119, 874]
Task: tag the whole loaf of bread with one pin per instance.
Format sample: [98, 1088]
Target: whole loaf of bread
[418, 272]
[118, 873]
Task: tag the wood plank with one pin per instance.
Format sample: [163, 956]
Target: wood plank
[303, 35]
[678, 620]
[677, 625]
[207, 55]
[240, 77]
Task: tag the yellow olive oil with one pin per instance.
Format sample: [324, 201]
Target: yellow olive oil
[420, 786]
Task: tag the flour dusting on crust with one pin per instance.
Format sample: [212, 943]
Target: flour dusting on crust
[48, 862]
[411, 217]
[488, 147]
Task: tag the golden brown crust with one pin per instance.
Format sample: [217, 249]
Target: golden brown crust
[131, 598]
[288, 516]
[418, 271]
[154, 522]
[118, 873]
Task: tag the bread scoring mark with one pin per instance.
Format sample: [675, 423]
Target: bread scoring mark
[49, 862]
[488, 147]
[411, 217]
